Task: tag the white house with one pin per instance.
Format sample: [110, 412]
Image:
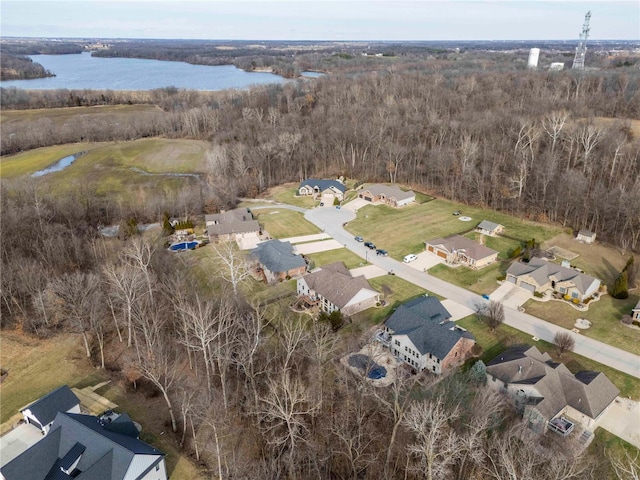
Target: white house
[325, 190]
[635, 312]
[333, 288]
[586, 236]
[43, 411]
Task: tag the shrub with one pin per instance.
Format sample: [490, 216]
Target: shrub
[336, 201]
[627, 320]
[502, 278]
[567, 298]
[575, 301]
[538, 294]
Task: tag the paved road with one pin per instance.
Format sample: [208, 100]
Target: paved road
[331, 221]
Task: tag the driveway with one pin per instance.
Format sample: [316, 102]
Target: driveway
[457, 310]
[370, 271]
[425, 261]
[17, 441]
[306, 238]
[316, 247]
[355, 204]
[623, 420]
[510, 295]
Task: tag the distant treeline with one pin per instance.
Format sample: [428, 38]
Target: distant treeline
[15, 67]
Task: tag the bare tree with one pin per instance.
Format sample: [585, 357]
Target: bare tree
[564, 341]
[626, 466]
[235, 269]
[491, 313]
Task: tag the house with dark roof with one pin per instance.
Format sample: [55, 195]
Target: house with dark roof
[456, 249]
[540, 275]
[635, 312]
[544, 390]
[84, 447]
[420, 333]
[387, 194]
[232, 225]
[325, 190]
[43, 411]
[333, 288]
[489, 228]
[586, 236]
[277, 260]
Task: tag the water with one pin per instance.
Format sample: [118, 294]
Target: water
[179, 247]
[312, 74]
[56, 167]
[82, 71]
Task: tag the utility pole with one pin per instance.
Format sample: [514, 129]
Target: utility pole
[581, 49]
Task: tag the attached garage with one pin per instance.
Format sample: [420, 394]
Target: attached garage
[366, 196]
[528, 286]
[442, 254]
[511, 279]
[430, 248]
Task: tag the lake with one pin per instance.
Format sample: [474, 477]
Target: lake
[82, 71]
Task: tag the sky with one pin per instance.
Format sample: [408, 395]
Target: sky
[321, 20]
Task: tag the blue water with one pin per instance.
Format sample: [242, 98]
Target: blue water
[82, 71]
[56, 167]
[178, 247]
[377, 372]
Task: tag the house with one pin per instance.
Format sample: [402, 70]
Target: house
[419, 333]
[457, 249]
[388, 194]
[635, 312]
[545, 391]
[232, 225]
[333, 288]
[43, 411]
[540, 275]
[278, 260]
[586, 236]
[325, 190]
[85, 447]
[489, 228]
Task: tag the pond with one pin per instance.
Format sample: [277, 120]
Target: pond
[59, 165]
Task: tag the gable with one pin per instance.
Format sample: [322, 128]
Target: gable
[46, 408]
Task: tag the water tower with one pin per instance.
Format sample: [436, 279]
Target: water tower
[534, 53]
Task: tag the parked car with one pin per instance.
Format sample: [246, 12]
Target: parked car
[322, 204]
[359, 239]
[410, 258]
[382, 252]
[485, 296]
[370, 245]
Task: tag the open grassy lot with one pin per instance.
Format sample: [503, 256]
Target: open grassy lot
[59, 116]
[287, 194]
[493, 343]
[605, 315]
[282, 223]
[29, 162]
[480, 281]
[404, 230]
[350, 259]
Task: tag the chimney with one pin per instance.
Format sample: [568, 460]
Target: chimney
[519, 368]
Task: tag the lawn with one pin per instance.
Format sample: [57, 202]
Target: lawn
[29, 162]
[350, 259]
[480, 281]
[603, 447]
[287, 194]
[605, 315]
[59, 116]
[283, 223]
[404, 230]
[493, 343]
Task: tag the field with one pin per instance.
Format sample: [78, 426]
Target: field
[493, 343]
[350, 259]
[287, 194]
[282, 223]
[59, 116]
[404, 230]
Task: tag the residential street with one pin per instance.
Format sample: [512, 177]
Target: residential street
[331, 221]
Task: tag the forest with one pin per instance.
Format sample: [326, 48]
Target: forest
[253, 393]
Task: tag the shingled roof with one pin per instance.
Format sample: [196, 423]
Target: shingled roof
[335, 283]
[277, 256]
[542, 271]
[487, 225]
[239, 220]
[389, 191]
[45, 409]
[425, 321]
[458, 243]
[323, 184]
[586, 391]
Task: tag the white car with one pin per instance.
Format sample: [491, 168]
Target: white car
[410, 258]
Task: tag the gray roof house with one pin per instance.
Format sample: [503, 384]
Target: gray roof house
[278, 260]
[540, 275]
[333, 287]
[389, 194]
[419, 333]
[43, 411]
[458, 249]
[232, 225]
[319, 187]
[84, 447]
[544, 389]
[489, 228]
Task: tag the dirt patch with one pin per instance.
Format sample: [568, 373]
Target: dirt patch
[562, 253]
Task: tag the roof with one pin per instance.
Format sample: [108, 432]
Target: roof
[239, 220]
[45, 409]
[587, 392]
[335, 283]
[425, 321]
[322, 185]
[277, 256]
[458, 243]
[487, 225]
[586, 233]
[104, 454]
[389, 191]
[542, 271]
[637, 307]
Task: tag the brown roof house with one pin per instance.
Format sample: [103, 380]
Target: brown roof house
[457, 249]
[547, 393]
[278, 261]
[333, 288]
[388, 194]
[232, 225]
[540, 275]
[419, 333]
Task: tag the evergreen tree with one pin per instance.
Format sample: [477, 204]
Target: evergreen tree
[620, 289]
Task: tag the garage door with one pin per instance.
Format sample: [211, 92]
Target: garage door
[442, 254]
[511, 279]
[430, 248]
[528, 286]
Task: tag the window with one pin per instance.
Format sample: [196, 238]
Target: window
[574, 294]
[406, 349]
[397, 342]
[158, 468]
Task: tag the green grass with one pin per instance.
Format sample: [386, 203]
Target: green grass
[282, 223]
[404, 230]
[29, 162]
[605, 315]
[350, 259]
[493, 343]
[287, 194]
[604, 446]
[479, 281]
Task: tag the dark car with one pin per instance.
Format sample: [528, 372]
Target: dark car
[370, 245]
[359, 239]
[382, 252]
[456, 213]
[322, 204]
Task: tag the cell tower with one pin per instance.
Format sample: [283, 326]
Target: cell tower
[581, 49]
